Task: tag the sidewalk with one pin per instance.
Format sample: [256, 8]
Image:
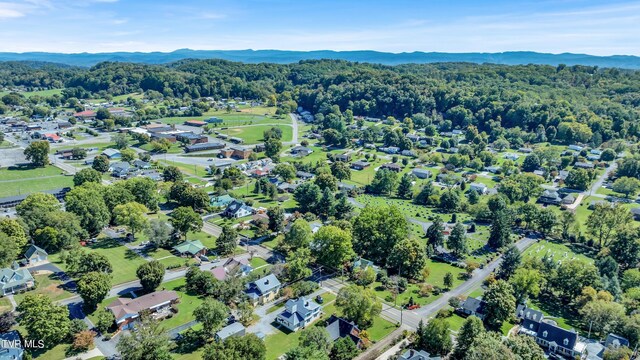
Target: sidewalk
[87, 355]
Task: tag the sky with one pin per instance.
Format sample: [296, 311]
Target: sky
[550, 26]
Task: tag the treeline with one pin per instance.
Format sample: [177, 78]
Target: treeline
[571, 103]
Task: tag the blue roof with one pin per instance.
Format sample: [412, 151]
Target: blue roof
[265, 284]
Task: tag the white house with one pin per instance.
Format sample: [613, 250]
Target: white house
[480, 188]
[298, 313]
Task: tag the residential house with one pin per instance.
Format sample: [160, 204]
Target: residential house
[142, 165]
[287, 187]
[511, 156]
[343, 157]
[305, 175]
[126, 311]
[392, 167]
[408, 153]
[112, 154]
[413, 354]
[615, 341]
[364, 264]
[562, 175]
[35, 255]
[596, 152]
[11, 346]
[204, 146]
[52, 138]
[239, 268]
[235, 329]
[494, 169]
[575, 147]
[360, 165]
[346, 187]
[593, 157]
[548, 334]
[413, 137]
[583, 165]
[569, 199]
[525, 150]
[85, 115]
[636, 213]
[190, 248]
[263, 290]
[301, 151]
[421, 173]
[472, 306]
[390, 150]
[14, 279]
[339, 328]
[298, 313]
[480, 188]
[550, 197]
[214, 120]
[120, 169]
[221, 200]
[237, 209]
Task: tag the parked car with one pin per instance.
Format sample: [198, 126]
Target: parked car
[319, 299]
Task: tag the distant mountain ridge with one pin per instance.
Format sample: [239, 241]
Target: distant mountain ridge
[285, 56]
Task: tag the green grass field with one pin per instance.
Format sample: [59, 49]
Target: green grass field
[26, 180]
[254, 134]
[49, 92]
[556, 251]
[48, 285]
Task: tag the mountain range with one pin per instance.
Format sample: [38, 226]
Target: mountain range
[285, 56]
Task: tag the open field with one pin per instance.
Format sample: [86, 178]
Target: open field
[254, 134]
[49, 92]
[25, 180]
[557, 251]
[49, 285]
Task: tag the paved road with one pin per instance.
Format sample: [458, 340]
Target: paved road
[294, 125]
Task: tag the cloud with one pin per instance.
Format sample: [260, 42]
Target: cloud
[212, 16]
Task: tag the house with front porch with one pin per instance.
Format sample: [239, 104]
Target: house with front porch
[298, 313]
[14, 280]
[263, 290]
[127, 311]
[35, 255]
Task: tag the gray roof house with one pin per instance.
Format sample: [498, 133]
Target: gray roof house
[237, 209]
[615, 341]
[112, 154]
[263, 290]
[11, 346]
[15, 279]
[479, 188]
[141, 164]
[120, 169]
[413, 354]
[301, 151]
[339, 328]
[235, 329]
[472, 306]
[34, 255]
[550, 197]
[548, 334]
[421, 173]
[298, 313]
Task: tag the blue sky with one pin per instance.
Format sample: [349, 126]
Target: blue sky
[555, 26]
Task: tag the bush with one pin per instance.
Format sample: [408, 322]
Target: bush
[426, 290]
[455, 301]
[444, 313]
[303, 288]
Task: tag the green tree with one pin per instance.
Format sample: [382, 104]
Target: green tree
[626, 185]
[286, 171]
[184, 219]
[405, 187]
[510, 262]
[326, 181]
[144, 190]
[500, 234]
[93, 287]
[38, 153]
[90, 262]
[100, 163]
[172, 174]
[425, 196]
[526, 283]
[88, 204]
[307, 196]
[448, 280]
[384, 182]
[44, 320]
[471, 328]
[14, 231]
[343, 349]
[327, 204]
[489, 345]
[237, 347]
[148, 342]
[8, 250]
[525, 347]
[358, 304]
[332, 246]
[608, 155]
[87, 175]
[151, 275]
[377, 230]
[341, 170]
[315, 337]
[227, 241]
[408, 258]
[276, 219]
[434, 234]
[435, 337]
[212, 314]
[578, 179]
[273, 147]
[606, 220]
[297, 266]
[104, 320]
[500, 303]
[571, 277]
[159, 233]
[450, 201]
[299, 235]
[457, 241]
[531, 163]
[121, 140]
[131, 215]
[603, 316]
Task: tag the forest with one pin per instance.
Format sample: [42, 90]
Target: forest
[535, 102]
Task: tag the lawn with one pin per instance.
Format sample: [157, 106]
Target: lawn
[49, 285]
[254, 134]
[49, 92]
[5, 305]
[124, 261]
[557, 251]
[28, 172]
[257, 262]
[186, 305]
